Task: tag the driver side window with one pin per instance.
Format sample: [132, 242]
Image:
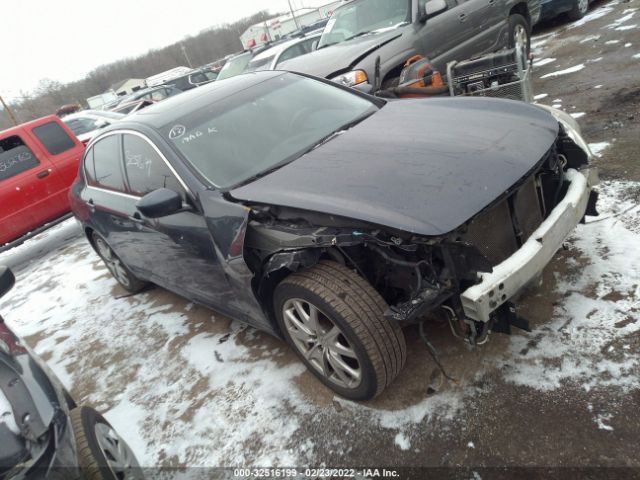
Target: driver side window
[146, 170]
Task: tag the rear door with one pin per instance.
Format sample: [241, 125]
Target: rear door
[487, 18]
[27, 182]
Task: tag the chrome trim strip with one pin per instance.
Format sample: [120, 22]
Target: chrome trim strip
[153, 145]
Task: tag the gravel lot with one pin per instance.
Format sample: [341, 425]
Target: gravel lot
[186, 386]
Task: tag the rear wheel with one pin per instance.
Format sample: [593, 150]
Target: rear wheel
[519, 33]
[119, 270]
[579, 10]
[102, 454]
[334, 320]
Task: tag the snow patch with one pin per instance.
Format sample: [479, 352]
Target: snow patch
[590, 38]
[600, 419]
[626, 27]
[402, 442]
[611, 42]
[543, 61]
[541, 96]
[573, 69]
[6, 414]
[598, 148]
[578, 114]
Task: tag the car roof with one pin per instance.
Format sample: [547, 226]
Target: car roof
[89, 113]
[280, 47]
[162, 113]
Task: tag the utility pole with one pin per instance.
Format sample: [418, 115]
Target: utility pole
[295, 20]
[184, 51]
[8, 110]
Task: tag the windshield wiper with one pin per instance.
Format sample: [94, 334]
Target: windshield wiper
[359, 34]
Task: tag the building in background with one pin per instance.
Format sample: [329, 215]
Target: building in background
[128, 86]
[277, 27]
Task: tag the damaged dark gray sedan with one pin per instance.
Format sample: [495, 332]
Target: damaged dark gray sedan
[333, 219]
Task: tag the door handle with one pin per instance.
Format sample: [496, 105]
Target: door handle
[91, 205]
[462, 17]
[43, 173]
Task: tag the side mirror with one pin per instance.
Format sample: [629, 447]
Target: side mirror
[7, 280]
[160, 203]
[433, 8]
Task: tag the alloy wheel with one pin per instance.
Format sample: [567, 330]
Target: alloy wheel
[118, 455]
[322, 343]
[583, 6]
[112, 262]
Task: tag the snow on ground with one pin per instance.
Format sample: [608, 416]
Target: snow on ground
[543, 61]
[594, 14]
[599, 309]
[566, 71]
[186, 387]
[598, 148]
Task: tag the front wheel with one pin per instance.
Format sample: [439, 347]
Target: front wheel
[334, 320]
[102, 454]
[519, 33]
[579, 9]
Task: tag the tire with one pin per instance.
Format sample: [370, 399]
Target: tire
[350, 329]
[518, 25]
[118, 269]
[579, 10]
[102, 454]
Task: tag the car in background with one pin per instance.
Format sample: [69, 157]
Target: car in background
[87, 123]
[347, 219]
[575, 9]
[153, 94]
[192, 80]
[366, 43]
[43, 433]
[235, 65]
[38, 162]
[274, 56]
[129, 108]
[68, 109]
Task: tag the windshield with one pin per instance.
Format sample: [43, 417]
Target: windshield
[263, 127]
[258, 64]
[364, 16]
[235, 66]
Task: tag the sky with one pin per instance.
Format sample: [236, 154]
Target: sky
[64, 40]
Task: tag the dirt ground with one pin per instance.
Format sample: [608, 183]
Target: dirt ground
[187, 387]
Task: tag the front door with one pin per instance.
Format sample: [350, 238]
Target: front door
[27, 182]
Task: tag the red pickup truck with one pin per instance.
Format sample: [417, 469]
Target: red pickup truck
[38, 163]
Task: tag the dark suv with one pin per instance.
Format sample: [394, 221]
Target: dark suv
[43, 433]
[363, 31]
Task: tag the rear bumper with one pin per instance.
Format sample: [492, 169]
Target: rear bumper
[507, 278]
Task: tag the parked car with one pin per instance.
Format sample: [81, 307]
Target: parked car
[127, 108]
[364, 33]
[237, 64]
[153, 94]
[347, 219]
[43, 433]
[271, 58]
[87, 123]
[190, 80]
[575, 9]
[38, 162]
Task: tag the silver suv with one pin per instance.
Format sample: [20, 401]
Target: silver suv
[361, 31]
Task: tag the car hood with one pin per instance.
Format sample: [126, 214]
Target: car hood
[340, 57]
[421, 166]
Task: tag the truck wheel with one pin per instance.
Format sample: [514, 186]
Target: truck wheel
[579, 9]
[102, 454]
[519, 33]
[118, 269]
[333, 319]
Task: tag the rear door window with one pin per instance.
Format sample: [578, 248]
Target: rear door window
[146, 169]
[54, 138]
[107, 162]
[15, 157]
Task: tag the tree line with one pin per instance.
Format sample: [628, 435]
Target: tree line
[205, 47]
